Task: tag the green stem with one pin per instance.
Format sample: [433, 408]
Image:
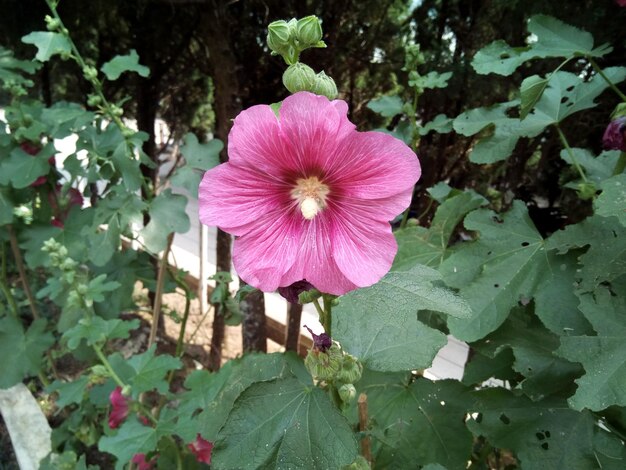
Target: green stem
[570, 153]
[5, 287]
[620, 165]
[328, 316]
[158, 298]
[320, 311]
[108, 367]
[17, 254]
[606, 79]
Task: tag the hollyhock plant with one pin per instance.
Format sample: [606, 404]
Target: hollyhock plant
[142, 463]
[308, 196]
[202, 449]
[119, 408]
[613, 138]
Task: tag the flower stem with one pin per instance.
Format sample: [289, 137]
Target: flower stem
[570, 153]
[158, 299]
[5, 287]
[320, 311]
[606, 79]
[328, 316]
[20, 268]
[108, 367]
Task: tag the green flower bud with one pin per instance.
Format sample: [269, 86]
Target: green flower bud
[126, 390]
[360, 463]
[52, 23]
[94, 100]
[90, 73]
[351, 370]
[347, 392]
[299, 77]
[324, 365]
[325, 86]
[587, 190]
[278, 36]
[98, 372]
[309, 30]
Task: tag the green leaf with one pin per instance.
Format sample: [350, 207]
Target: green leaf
[612, 201]
[428, 247]
[167, 215]
[546, 435]
[187, 178]
[431, 80]
[69, 392]
[24, 349]
[605, 260]
[214, 394]
[48, 44]
[6, 207]
[105, 243]
[387, 106]
[530, 92]
[417, 423]
[13, 70]
[442, 124]
[379, 324]
[597, 169]
[150, 371]
[481, 367]
[95, 331]
[133, 437]
[500, 58]
[201, 156]
[544, 372]
[284, 424]
[124, 63]
[22, 169]
[603, 356]
[504, 266]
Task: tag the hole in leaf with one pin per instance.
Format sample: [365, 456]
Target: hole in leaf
[489, 252]
[547, 433]
[570, 103]
[496, 285]
[497, 219]
[504, 55]
[505, 419]
[569, 88]
[479, 418]
[565, 99]
[540, 436]
[545, 446]
[525, 243]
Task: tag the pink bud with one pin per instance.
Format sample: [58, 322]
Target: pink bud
[202, 449]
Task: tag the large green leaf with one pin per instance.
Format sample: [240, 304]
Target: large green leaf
[23, 350]
[201, 156]
[416, 423]
[69, 392]
[284, 424]
[428, 247]
[441, 124]
[124, 63]
[22, 169]
[612, 201]
[133, 437]
[597, 168]
[13, 70]
[530, 92]
[167, 215]
[544, 435]
[95, 331]
[150, 371]
[387, 106]
[603, 356]
[504, 266]
[544, 372]
[379, 324]
[48, 44]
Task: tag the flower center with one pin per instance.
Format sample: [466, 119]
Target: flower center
[310, 193]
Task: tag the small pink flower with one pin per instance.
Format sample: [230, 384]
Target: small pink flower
[202, 449]
[308, 196]
[614, 137]
[621, 3]
[142, 463]
[119, 408]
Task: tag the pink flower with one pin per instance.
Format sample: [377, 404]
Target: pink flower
[119, 408]
[309, 197]
[142, 463]
[614, 137]
[621, 3]
[202, 449]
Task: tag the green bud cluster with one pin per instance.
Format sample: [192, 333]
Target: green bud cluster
[301, 77]
[289, 38]
[90, 73]
[52, 24]
[324, 365]
[360, 463]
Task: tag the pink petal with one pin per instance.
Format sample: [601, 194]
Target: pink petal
[119, 408]
[363, 249]
[202, 449]
[384, 209]
[313, 126]
[314, 261]
[374, 165]
[255, 141]
[232, 197]
[263, 255]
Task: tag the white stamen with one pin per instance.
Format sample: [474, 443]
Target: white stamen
[309, 207]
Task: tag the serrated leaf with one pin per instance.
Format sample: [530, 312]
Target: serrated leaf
[48, 44]
[24, 348]
[284, 424]
[105, 243]
[546, 435]
[612, 201]
[124, 63]
[597, 169]
[494, 273]
[530, 92]
[442, 124]
[544, 372]
[386, 106]
[500, 58]
[431, 80]
[133, 437]
[416, 423]
[187, 178]
[69, 392]
[167, 215]
[603, 356]
[428, 247]
[379, 324]
[201, 156]
[13, 70]
[95, 330]
[22, 169]
[150, 371]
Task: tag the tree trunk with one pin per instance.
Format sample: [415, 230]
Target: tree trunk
[253, 324]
